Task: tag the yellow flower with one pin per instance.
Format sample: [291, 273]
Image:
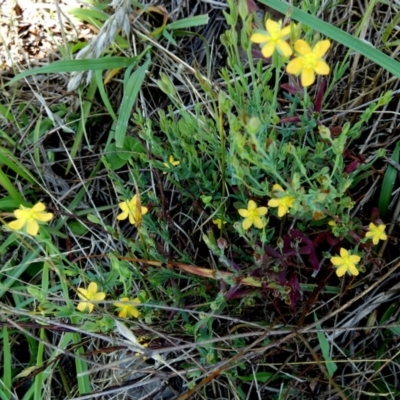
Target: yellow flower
[376, 233]
[273, 39]
[126, 307]
[89, 294]
[171, 161]
[253, 215]
[219, 222]
[283, 203]
[346, 263]
[332, 223]
[132, 209]
[309, 62]
[29, 217]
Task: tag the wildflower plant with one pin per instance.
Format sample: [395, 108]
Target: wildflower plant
[28, 219]
[133, 210]
[376, 233]
[274, 39]
[126, 307]
[88, 296]
[283, 156]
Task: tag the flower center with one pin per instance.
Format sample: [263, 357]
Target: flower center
[253, 214]
[27, 214]
[309, 61]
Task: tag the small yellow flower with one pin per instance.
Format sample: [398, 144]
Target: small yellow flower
[346, 263]
[219, 222]
[132, 209]
[126, 308]
[89, 294]
[252, 215]
[171, 161]
[332, 223]
[309, 62]
[376, 233]
[283, 203]
[273, 39]
[28, 218]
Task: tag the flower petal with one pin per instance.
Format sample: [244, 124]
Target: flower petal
[272, 26]
[20, 213]
[341, 271]
[284, 48]
[98, 296]
[274, 202]
[285, 31]
[355, 259]
[92, 289]
[322, 68]
[134, 312]
[321, 48]
[82, 293]
[38, 207]
[258, 222]
[16, 225]
[32, 227]
[295, 66]
[261, 211]
[353, 270]
[277, 188]
[122, 216]
[302, 47]
[123, 313]
[282, 210]
[268, 49]
[243, 212]
[343, 253]
[247, 223]
[337, 261]
[83, 305]
[252, 205]
[43, 216]
[259, 38]
[307, 77]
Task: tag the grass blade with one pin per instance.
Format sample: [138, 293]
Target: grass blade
[78, 65]
[191, 22]
[325, 348]
[130, 94]
[388, 183]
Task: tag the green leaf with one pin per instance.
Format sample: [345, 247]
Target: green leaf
[259, 377]
[130, 94]
[190, 22]
[388, 183]
[112, 157]
[78, 65]
[132, 148]
[323, 342]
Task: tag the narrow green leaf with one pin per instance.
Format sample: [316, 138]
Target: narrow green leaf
[325, 348]
[6, 361]
[77, 65]
[130, 94]
[103, 94]
[9, 187]
[388, 183]
[7, 158]
[336, 34]
[190, 22]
